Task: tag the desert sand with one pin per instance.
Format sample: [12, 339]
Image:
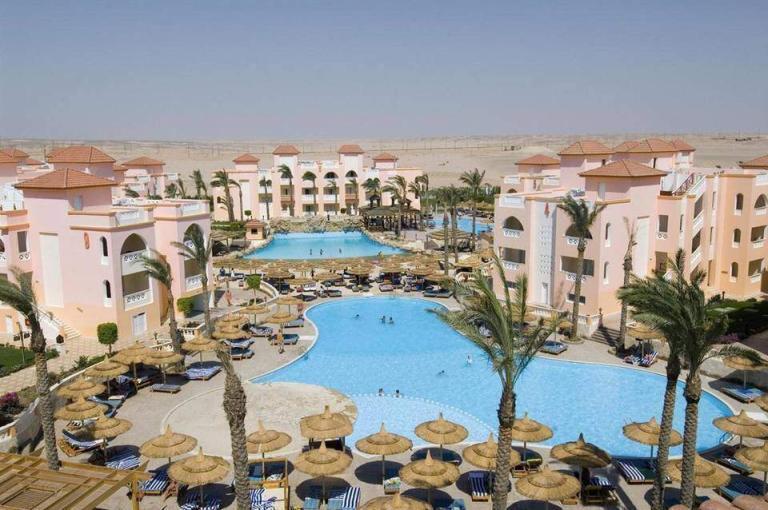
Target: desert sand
[442, 158]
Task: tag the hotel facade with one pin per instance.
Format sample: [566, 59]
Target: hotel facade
[717, 216]
[315, 187]
[67, 222]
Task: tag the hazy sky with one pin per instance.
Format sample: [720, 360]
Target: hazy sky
[361, 69]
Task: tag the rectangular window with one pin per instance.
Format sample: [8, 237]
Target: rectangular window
[755, 267]
[698, 206]
[513, 255]
[696, 242]
[682, 222]
[572, 297]
[757, 234]
[569, 264]
[714, 200]
[663, 223]
[21, 236]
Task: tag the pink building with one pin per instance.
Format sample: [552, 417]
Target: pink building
[82, 243]
[314, 187]
[717, 216]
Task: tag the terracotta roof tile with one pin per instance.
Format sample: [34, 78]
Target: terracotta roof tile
[246, 158]
[759, 162]
[79, 154]
[585, 148]
[17, 154]
[65, 178]
[623, 168]
[625, 146]
[652, 145]
[143, 161]
[538, 160]
[350, 148]
[682, 145]
[286, 150]
[32, 161]
[385, 156]
[117, 167]
[7, 158]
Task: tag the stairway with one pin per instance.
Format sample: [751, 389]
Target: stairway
[53, 326]
[606, 335]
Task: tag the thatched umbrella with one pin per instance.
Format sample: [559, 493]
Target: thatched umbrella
[132, 355]
[256, 309]
[278, 274]
[81, 387]
[483, 455]
[649, 432]
[200, 344]
[266, 440]
[421, 271]
[234, 319]
[326, 425]
[108, 428]
[168, 444]
[429, 473]
[580, 453]
[199, 470]
[300, 282]
[745, 365]
[706, 474]
[762, 401]
[384, 443]
[395, 502]
[741, 425]
[288, 301]
[106, 370]
[441, 432]
[321, 462]
[528, 430]
[80, 409]
[162, 358]
[755, 457]
[548, 485]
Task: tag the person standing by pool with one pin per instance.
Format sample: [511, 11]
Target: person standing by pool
[310, 252]
[469, 360]
[321, 252]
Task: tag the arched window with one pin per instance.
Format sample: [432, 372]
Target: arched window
[736, 236]
[572, 232]
[107, 290]
[104, 247]
[761, 202]
[513, 223]
[351, 174]
[739, 205]
[607, 234]
[511, 190]
[605, 272]
[331, 175]
[734, 270]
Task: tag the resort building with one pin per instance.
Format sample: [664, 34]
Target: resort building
[67, 223]
[716, 215]
[308, 187]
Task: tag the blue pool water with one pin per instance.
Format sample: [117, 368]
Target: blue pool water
[359, 356]
[332, 244]
[465, 223]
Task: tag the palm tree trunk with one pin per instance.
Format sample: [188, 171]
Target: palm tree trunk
[291, 206]
[692, 395]
[230, 206]
[235, 408]
[207, 307]
[474, 216]
[454, 226]
[45, 402]
[314, 199]
[445, 240]
[399, 219]
[577, 289]
[506, 415]
[667, 414]
[623, 320]
[240, 193]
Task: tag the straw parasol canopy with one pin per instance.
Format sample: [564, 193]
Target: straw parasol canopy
[199, 469]
[266, 440]
[395, 502]
[256, 308]
[429, 473]
[756, 458]
[528, 430]
[278, 274]
[132, 354]
[322, 461]
[162, 358]
[745, 365]
[705, 474]
[642, 332]
[548, 485]
[326, 425]
[483, 455]
[288, 300]
[107, 428]
[649, 432]
[107, 369]
[581, 453]
[384, 443]
[168, 444]
[741, 425]
[441, 431]
[81, 387]
[200, 344]
[80, 409]
[281, 318]
[762, 401]
[299, 282]
[228, 333]
[234, 319]
[422, 271]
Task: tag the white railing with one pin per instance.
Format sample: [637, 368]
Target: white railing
[661, 235]
[755, 278]
[137, 299]
[509, 200]
[131, 261]
[514, 234]
[758, 243]
[761, 211]
[696, 257]
[698, 222]
[3, 258]
[172, 177]
[144, 179]
[11, 198]
[307, 198]
[512, 266]
[191, 208]
[25, 255]
[511, 179]
[129, 217]
[551, 181]
[761, 180]
[571, 277]
[193, 282]
[330, 163]
[329, 198]
[572, 241]
[698, 188]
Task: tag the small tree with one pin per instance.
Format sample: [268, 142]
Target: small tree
[253, 282]
[186, 305]
[107, 334]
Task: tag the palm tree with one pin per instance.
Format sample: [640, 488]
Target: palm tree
[453, 199]
[130, 193]
[372, 187]
[285, 173]
[182, 188]
[266, 183]
[474, 182]
[199, 251]
[420, 190]
[159, 270]
[353, 184]
[222, 180]
[582, 218]
[309, 176]
[171, 190]
[510, 348]
[21, 297]
[201, 190]
[423, 181]
[398, 188]
[335, 190]
[627, 266]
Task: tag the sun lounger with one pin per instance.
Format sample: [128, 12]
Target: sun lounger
[165, 388]
[479, 490]
[344, 499]
[742, 394]
[442, 293]
[307, 297]
[636, 471]
[202, 373]
[552, 347]
[111, 402]
[288, 339]
[731, 463]
[386, 287]
[391, 481]
[243, 343]
[599, 491]
[261, 331]
[192, 502]
[333, 293]
[73, 445]
[260, 500]
[455, 504]
[157, 485]
[740, 486]
[122, 459]
[632, 359]
[649, 359]
[241, 353]
[297, 323]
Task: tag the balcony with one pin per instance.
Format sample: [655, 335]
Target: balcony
[192, 208]
[172, 176]
[698, 222]
[510, 266]
[308, 199]
[571, 277]
[330, 198]
[131, 261]
[350, 197]
[761, 211]
[755, 278]
[761, 180]
[696, 257]
[758, 243]
[130, 216]
[511, 200]
[193, 282]
[512, 234]
[512, 179]
[572, 241]
[137, 299]
[661, 235]
[24, 256]
[551, 181]
[286, 199]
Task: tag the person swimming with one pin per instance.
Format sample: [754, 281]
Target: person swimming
[339, 250]
[397, 394]
[391, 321]
[442, 372]
[381, 392]
[321, 251]
[357, 316]
[310, 251]
[383, 319]
[469, 359]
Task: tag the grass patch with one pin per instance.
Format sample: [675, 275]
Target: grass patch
[12, 359]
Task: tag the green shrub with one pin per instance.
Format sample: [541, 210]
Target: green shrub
[186, 305]
[253, 282]
[107, 334]
[747, 317]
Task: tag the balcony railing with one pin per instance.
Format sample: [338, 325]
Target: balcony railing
[696, 257]
[511, 266]
[191, 208]
[330, 198]
[130, 216]
[698, 222]
[131, 261]
[572, 241]
[571, 277]
[172, 177]
[513, 234]
[193, 282]
[286, 198]
[758, 243]
[510, 200]
[307, 199]
[348, 197]
[25, 255]
[755, 278]
[511, 179]
[661, 235]
[551, 181]
[761, 211]
[761, 180]
[3, 258]
[137, 299]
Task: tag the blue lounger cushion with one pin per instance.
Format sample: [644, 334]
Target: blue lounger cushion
[552, 347]
[80, 444]
[192, 502]
[742, 394]
[122, 459]
[202, 373]
[478, 485]
[741, 487]
[344, 499]
[157, 484]
[242, 343]
[261, 331]
[238, 353]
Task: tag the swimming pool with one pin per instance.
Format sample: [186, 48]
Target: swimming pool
[323, 245]
[465, 223]
[359, 356]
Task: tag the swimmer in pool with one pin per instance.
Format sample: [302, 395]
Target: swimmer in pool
[397, 393]
[391, 321]
[442, 372]
[469, 359]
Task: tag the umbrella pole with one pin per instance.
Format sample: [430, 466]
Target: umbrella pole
[383, 470]
[525, 450]
[765, 474]
[201, 496]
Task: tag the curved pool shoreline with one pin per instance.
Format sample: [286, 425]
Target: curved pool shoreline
[308, 245]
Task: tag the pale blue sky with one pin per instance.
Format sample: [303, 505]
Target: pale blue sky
[360, 69]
